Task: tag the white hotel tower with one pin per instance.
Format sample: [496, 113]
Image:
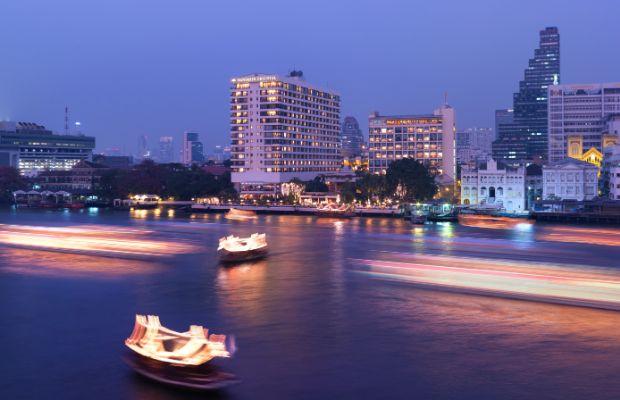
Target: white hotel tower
[281, 128]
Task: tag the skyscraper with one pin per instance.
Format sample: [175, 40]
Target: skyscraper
[144, 152]
[281, 128]
[166, 149]
[192, 151]
[351, 138]
[526, 138]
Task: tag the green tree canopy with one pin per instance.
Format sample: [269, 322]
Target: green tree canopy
[409, 180]
[10, 181]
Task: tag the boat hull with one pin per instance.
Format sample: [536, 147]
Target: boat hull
[238, 256]
[204, 377]
[334, 214]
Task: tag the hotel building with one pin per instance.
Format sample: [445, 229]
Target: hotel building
[281, 128]
[581, 118]
[425, 138]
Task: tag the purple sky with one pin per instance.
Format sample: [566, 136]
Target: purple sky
[132, 67]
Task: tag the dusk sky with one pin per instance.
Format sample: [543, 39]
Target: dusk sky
[132, 67]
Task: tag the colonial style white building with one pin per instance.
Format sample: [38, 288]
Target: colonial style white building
[570, 179]
[493, 188]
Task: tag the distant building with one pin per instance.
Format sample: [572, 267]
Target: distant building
[614, 183]
[493, 188]
[504, 116]
[352, 139]
[166, 149]
[525, 139]
[533, 185]
[117, 162]
[581, 117]
[33, 148]
[282, 127]
[82, 178]
[144, 152]
[192, 151]
[427, 138]
[473, 145]
[570, 179]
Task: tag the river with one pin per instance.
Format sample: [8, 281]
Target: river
[325, 316]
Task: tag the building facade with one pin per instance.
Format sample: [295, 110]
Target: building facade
[282, 128]
[473, 145]
[492, 188]
[38, 149]
[570, 179]
[192, 151]
[429, 139]
[166, 149]
[614, 183]
[581, 117]
[525, 139]
[83, 178]
[351, 138]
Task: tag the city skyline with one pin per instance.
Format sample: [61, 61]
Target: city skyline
[158, 93]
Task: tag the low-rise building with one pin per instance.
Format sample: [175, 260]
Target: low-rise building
[614, 183]
[494, 188]
[570, 179]
[83, 178]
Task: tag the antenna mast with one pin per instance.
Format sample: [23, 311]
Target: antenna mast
[66, 120]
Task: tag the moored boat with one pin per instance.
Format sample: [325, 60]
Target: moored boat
[177, 358]
[234, 249]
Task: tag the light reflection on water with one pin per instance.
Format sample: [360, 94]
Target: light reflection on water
[306, 326]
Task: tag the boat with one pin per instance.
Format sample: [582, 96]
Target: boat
[177, 358]
[418, 219]
[240, 215]
[491, 221]
[332, 210]
[234, 249]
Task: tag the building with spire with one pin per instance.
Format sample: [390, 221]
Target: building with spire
[525, 139]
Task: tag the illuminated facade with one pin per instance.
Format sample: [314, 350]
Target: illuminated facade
[525, 138]
[493, 188]
[352, 139]
[282, 128]
[570, 179]
[428, 139]
[192, 151]
[579, 118]
[39, 149]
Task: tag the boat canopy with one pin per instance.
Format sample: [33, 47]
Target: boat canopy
[236, 244]
[194, 347]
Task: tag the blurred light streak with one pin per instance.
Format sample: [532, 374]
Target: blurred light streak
[597, 236]
[566, 284]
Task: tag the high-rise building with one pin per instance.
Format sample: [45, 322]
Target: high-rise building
[473, 145]
[580, 117]
[352, 139]
[428, 138]
[503, 117]
[144, 153]
[33, 148]
[281, 128]
[525, 139]
[192, 151]
[166, 149]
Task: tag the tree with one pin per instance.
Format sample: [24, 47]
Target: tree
[409, 180]
[10, 181]
[370, 187]
[316, 185]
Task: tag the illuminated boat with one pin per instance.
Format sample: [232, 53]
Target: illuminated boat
[240, 215]
[491, 221]
[177, 358]
[332, 210]
[233, 249]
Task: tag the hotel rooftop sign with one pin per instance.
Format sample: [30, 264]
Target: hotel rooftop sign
[254, 78]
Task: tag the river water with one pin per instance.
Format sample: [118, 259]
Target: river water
[318, 319]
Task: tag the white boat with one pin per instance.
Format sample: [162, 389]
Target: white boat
[240, 215]
[233, 248]
[177, 358]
